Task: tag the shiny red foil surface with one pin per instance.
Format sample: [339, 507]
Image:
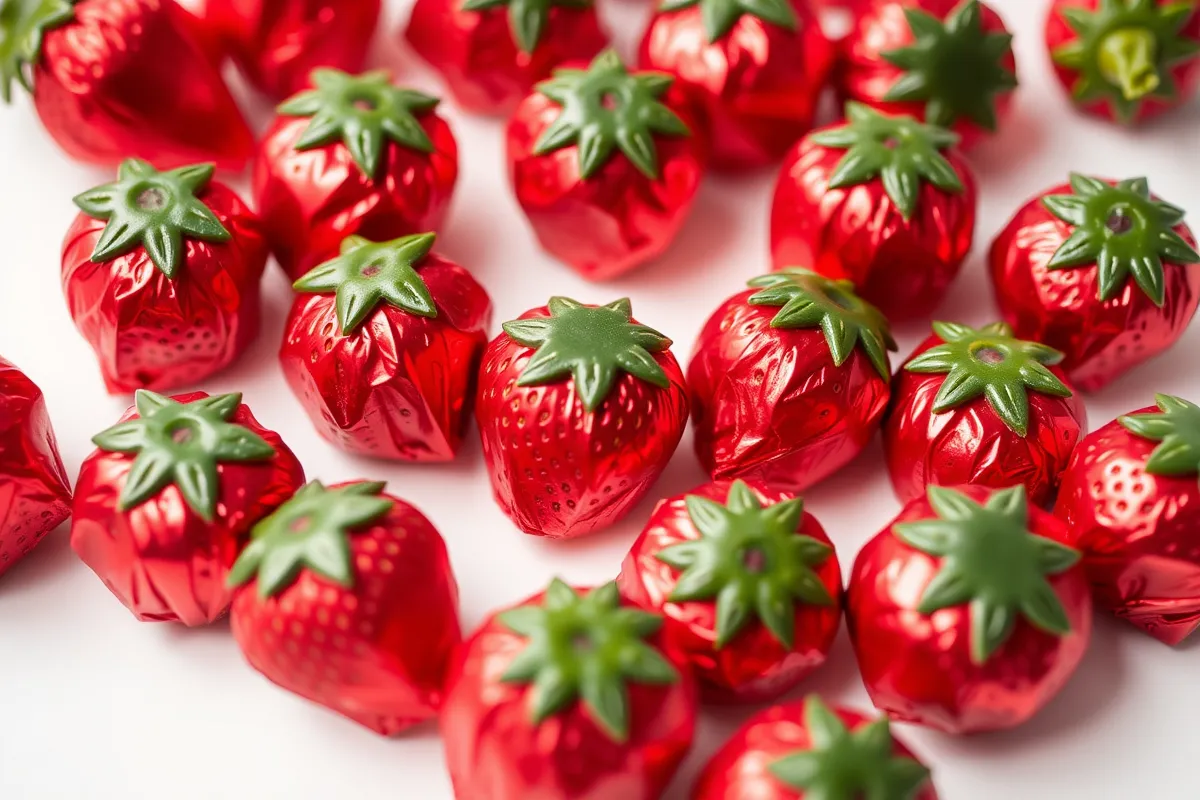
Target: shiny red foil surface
[865, 76]
[904, 267]
[1137, 531]
[757, 86]
[1062, 307]
[495, 752]
[918, 668]
[558, 470]
[741, 768]
[754, 666]
[128, 78]
[769, 404]
[970, 444]
[483, 68]
[376, 653]
[608, 224]
[310, 200]
[160, 559]
[401, 385]
[33, 484]
[154, 332]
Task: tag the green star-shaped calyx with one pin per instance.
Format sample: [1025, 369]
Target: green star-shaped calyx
[1123, 231]
[591, 344]
[365, 112]
[310, 531]
[1124, 51]
[23, 25]
[585, 647]
[992, 363]
[955, 67]
[808, 300]
[154, 210]
[606, 108]
[719, 16]
[1177, 427]
[991, 562]
[752, 560]
[369, 273]
[181, 443]
[841, 764]
[899, 150]
[526, 18]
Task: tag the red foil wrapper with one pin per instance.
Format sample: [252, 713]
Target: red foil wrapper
[310, 200]
[903, 267]
[34, 484]
[400, 386]
[970, 444]
[769, 404]
[1137, 531]
[757, 86]
[154, 332]
[754, 666]
[162, 560]
[918, 668]
[375, 653]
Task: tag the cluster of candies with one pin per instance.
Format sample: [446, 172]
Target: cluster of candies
[967, 612]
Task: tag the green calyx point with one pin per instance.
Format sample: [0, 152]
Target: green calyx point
[591, 344]
[1177, 427]
[719, 16]
[900, 151]
[310, 531]
[154, 210]
[606, 108]
[808, 300]
[841, 764]
[23, 25]
[585, 647]
[955, 67]
[181, 443]
[992, 562]
[1123, 231]
[364, 112]
[752, 560]
[1124, 51]
[992, 363]
[368, 273]
[526, 18]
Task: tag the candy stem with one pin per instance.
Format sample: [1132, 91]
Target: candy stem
[1128, 59]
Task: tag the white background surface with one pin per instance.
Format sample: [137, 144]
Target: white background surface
[94, 704]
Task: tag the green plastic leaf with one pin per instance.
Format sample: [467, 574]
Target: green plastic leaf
[23, 26]
[1177, 428]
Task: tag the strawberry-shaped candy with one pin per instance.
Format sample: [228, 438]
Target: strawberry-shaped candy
[569, 695]
[789, 380]
[579, 408]
[748, 583]
[118, 78]
[346, 597]
[756, 69]
[490, 53]
[353, 155]
[1102, 270]
[1125, 59]
[981, 407]
[33, 483]
[887, 203]
[946, 62]
[383, 345]
[604, 165]
[161, 272]
[968, 612]
[809, 751]
[1131, 497]
[164, 504]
